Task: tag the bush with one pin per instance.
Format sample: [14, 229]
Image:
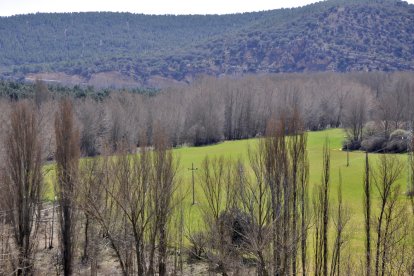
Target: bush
[399, 134]
[351, 145]
[235, 225]
[371, 129]
[197, 248]
[396, 146]
[374, 144]
[398, 141]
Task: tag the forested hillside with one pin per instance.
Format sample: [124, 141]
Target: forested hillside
[122, 49]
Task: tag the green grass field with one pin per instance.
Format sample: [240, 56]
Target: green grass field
[351, 176]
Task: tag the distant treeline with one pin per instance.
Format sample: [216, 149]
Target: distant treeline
[17, 90]
[373, 107]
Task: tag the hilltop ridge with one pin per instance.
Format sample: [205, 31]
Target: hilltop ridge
[123, 49]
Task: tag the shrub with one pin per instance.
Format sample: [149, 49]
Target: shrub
[351, 145]
[396, 146]
[399, 134]
[374, 144]
[397, 142]
[197, 248]
[371, 129]
[235, 226]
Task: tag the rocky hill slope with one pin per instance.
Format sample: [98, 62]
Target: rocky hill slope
[122, 49]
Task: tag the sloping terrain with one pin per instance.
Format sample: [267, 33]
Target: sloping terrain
[333, 35]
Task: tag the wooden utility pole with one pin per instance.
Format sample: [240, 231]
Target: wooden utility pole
[347, 155]
[192, 169]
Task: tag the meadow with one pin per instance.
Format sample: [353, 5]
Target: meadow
[352, 177]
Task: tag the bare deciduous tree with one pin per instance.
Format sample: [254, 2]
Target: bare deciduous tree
[355, 117]
[99, 203]
[218, 190]
[254, 197]
[340, 221]
[23, 183]
[165, 183]
[41, 92]
[367, 215]
[388, 171]
[67, 161]
[134, 187]
[321, 209]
